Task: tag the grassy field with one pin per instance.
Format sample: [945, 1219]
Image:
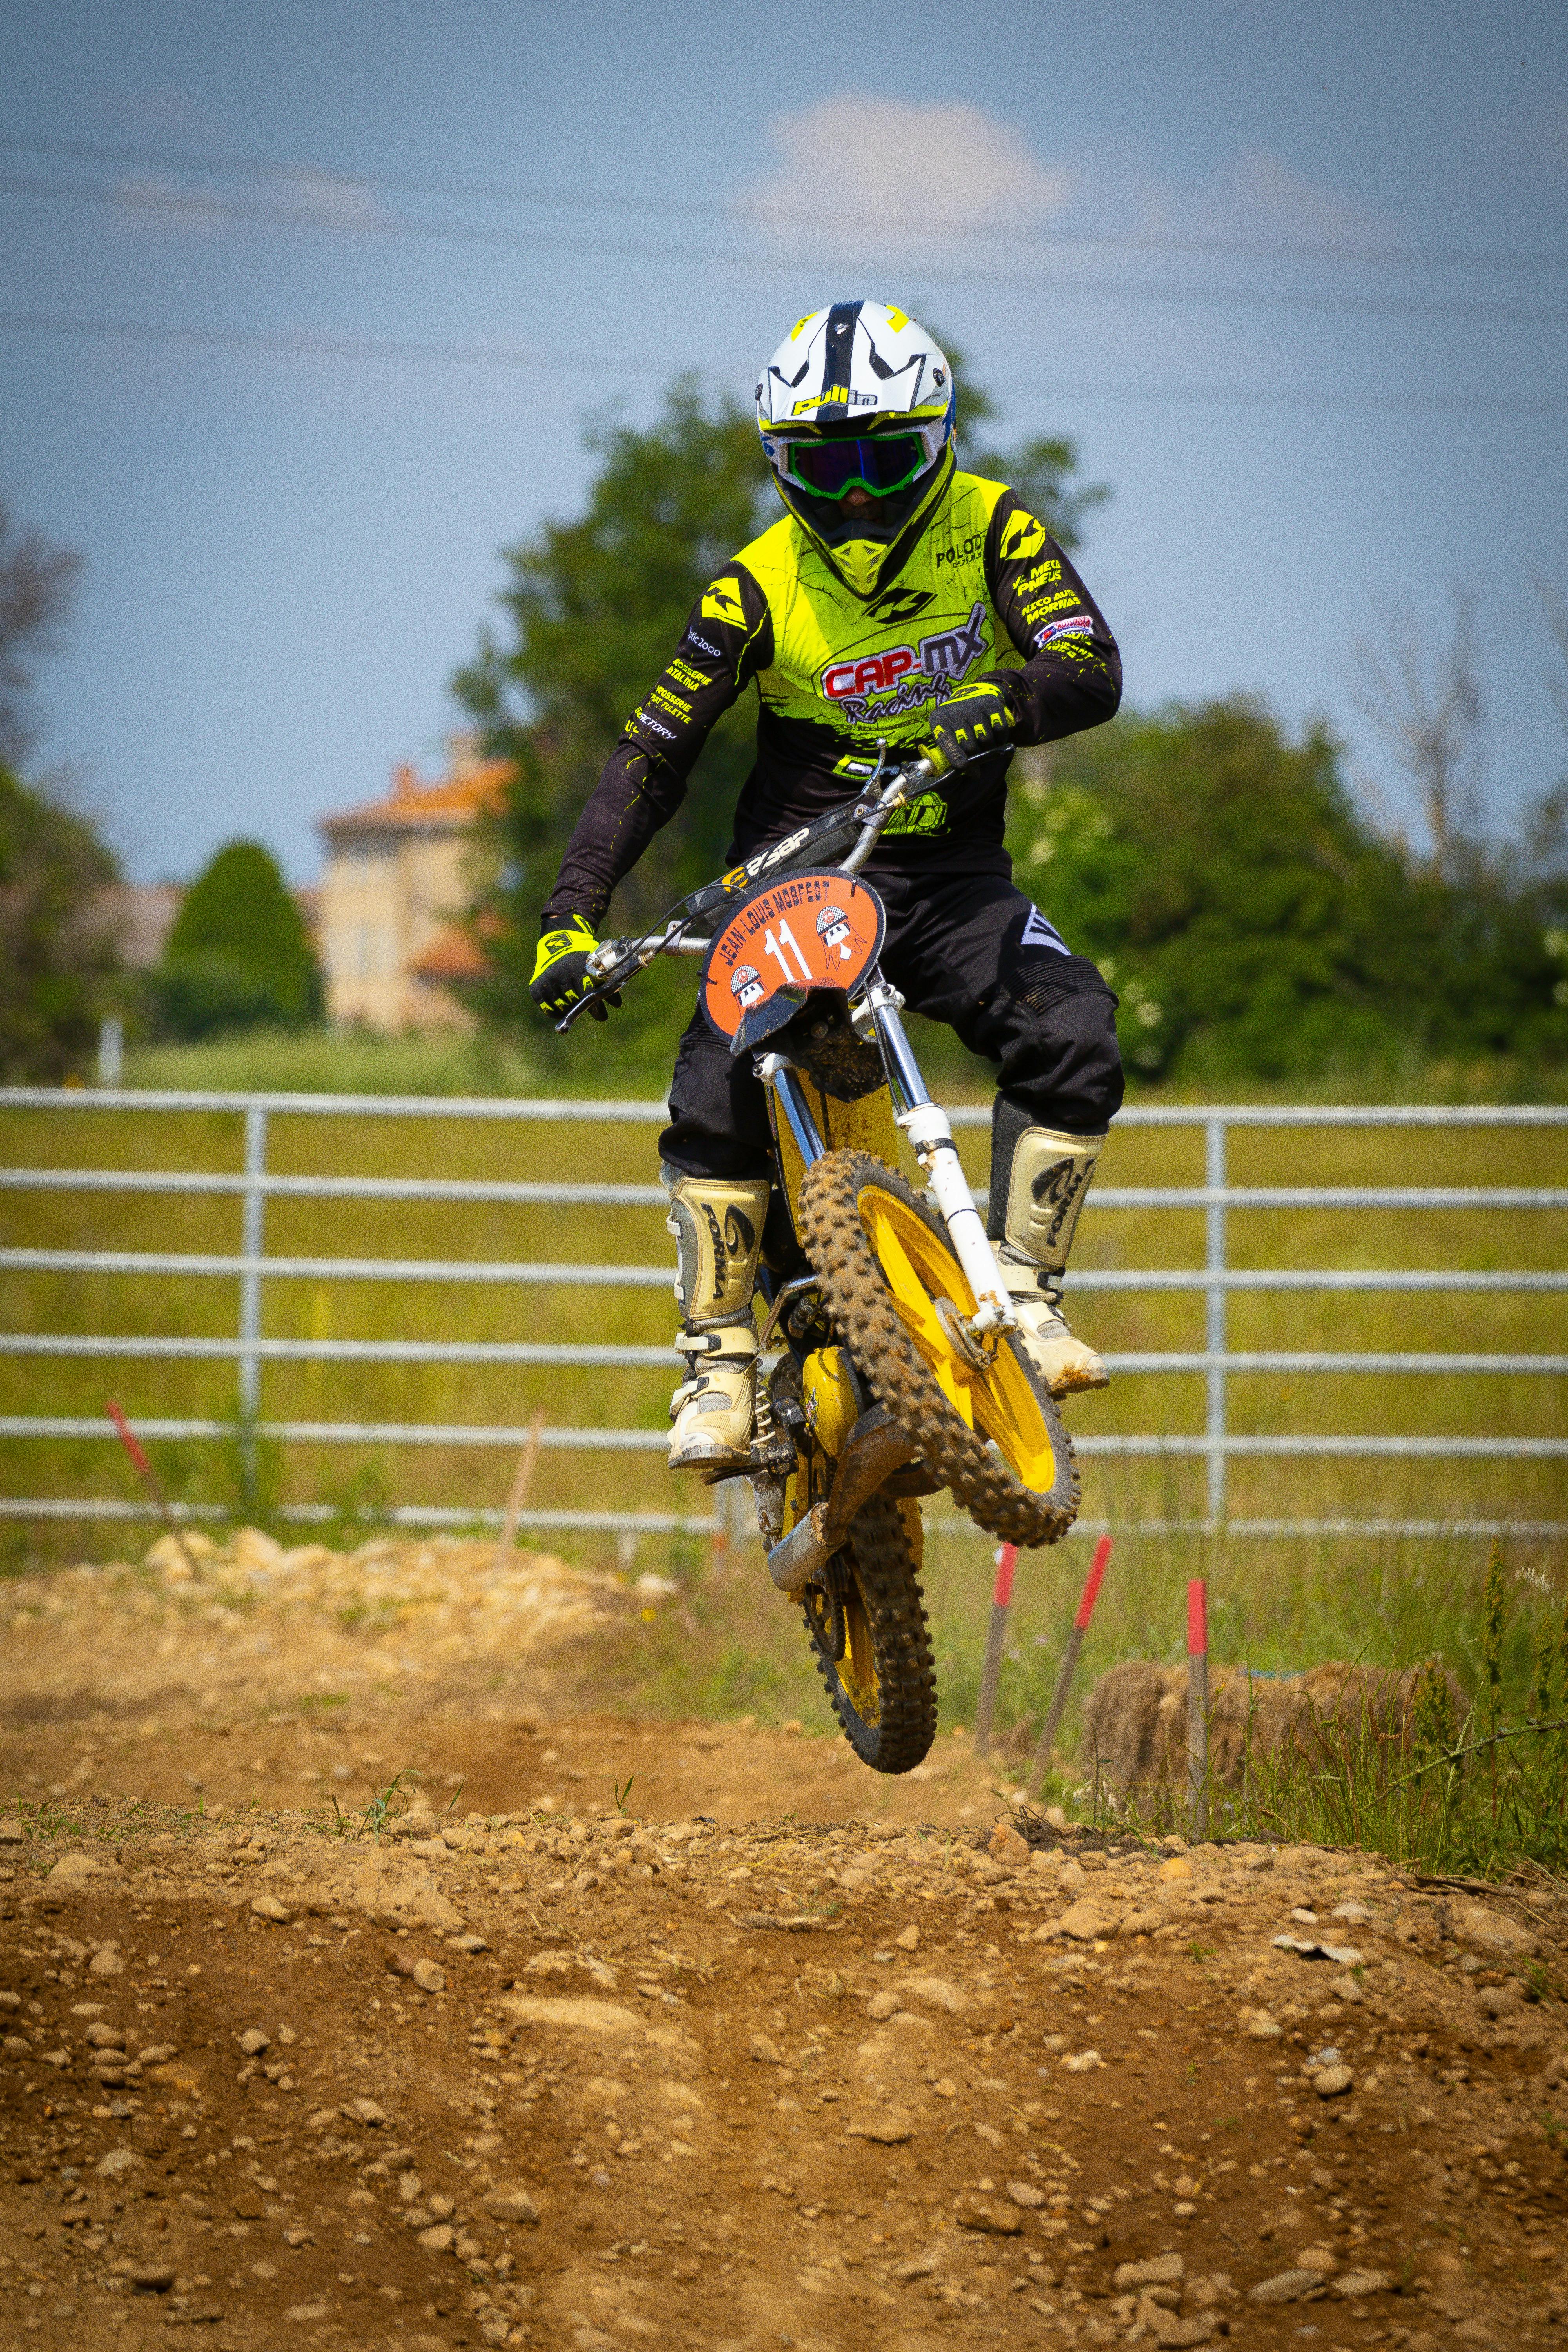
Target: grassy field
[1282, 1604]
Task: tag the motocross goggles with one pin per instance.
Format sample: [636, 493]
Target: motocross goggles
[878, 464]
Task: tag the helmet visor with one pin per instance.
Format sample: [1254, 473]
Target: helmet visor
[827, 469]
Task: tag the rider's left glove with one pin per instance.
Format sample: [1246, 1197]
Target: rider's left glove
[561, 970]
[972, 720]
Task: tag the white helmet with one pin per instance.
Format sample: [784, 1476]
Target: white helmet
[859, 397]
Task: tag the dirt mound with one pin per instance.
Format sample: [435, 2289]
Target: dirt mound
[515, 2066]
[295, 1676]
[1136, 1719]
[552, 2083]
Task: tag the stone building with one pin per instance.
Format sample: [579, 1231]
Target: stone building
[389, 931]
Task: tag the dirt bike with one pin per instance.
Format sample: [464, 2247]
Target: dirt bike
[890, 1366]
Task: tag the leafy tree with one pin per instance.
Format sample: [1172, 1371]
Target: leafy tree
[594, 608]
[56, 959]
[239, 955]
[37, 583]
[1254, 923]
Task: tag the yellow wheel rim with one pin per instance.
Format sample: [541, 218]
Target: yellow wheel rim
[996, 1401]
[857, 1669]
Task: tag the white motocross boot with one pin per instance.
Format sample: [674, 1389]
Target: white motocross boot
[1037, 1198]
[717, 1229]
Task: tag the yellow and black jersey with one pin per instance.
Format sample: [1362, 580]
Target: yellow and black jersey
[986, 593]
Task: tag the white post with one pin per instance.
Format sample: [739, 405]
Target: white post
[252, 1242]
[110, 1051]
[1215, 1331]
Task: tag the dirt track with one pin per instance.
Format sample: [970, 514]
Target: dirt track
[766, 2079]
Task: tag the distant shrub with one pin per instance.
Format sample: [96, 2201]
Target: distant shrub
[238, 956]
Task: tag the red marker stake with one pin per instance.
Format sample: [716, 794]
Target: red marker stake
[144, 1471]
[1091, 1585]
[991, 1671]
[1198, 1703]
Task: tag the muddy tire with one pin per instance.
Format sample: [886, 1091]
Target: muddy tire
[865, 1621]
[834, 1196]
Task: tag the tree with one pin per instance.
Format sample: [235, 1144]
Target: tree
[37, 583]
[1426, 703]
[239, 955]
[1254, 923]
[1554, 606]
[56, 959]
[594, 609]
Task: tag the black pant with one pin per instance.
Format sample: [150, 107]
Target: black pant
[969, 949]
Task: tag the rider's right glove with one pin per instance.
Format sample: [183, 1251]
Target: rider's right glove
[561, 970]
[971, 720]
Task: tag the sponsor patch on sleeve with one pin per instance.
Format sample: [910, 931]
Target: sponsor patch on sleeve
[1023, 535]
[1078, 624]
[722, 602]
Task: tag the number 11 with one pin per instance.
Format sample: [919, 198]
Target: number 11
[772, 948]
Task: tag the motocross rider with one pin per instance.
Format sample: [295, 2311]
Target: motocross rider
[897, 596]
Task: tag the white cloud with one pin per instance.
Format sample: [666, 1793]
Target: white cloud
[865, 160]
[156, 202]
[343, 199]
[1271, 195]
[1258, 194]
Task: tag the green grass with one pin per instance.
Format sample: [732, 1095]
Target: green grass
[604, 1058]
[1482, 1796]
[1281, 1605]
[323, 1061]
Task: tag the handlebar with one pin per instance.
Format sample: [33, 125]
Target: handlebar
[614, 962]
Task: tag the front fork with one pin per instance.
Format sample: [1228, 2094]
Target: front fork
[930, 1131]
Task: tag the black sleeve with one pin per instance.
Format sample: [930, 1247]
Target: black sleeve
[728, 639]
[1071, 676]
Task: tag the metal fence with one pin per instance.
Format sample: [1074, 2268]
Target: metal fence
[251, 1267]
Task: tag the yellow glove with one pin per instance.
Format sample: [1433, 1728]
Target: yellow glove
[561, 969]
[973, 720]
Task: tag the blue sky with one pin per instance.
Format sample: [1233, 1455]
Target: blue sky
[287, 555]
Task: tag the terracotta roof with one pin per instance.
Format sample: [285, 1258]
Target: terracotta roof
[452, 954]
[445, 807]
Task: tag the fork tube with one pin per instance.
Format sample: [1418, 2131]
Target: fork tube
[776, 1072]
[899, 1056]
[928, 1130]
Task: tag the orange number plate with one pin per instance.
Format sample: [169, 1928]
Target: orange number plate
[816, 930]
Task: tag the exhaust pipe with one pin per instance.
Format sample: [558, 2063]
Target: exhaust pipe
[874, 1448]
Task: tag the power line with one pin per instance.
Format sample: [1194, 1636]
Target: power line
[457, 233]
[502, 192]
[305, 345]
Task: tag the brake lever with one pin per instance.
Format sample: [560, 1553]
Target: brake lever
[619, 961]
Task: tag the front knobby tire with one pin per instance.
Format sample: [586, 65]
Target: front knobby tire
[865, 1621]
[990, 1434]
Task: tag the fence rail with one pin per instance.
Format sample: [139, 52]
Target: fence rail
[251, 1269]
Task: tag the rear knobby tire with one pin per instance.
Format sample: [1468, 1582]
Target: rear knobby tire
[889, 1717]
[860, 1304]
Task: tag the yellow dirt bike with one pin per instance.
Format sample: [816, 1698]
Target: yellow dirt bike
[889, 1365]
